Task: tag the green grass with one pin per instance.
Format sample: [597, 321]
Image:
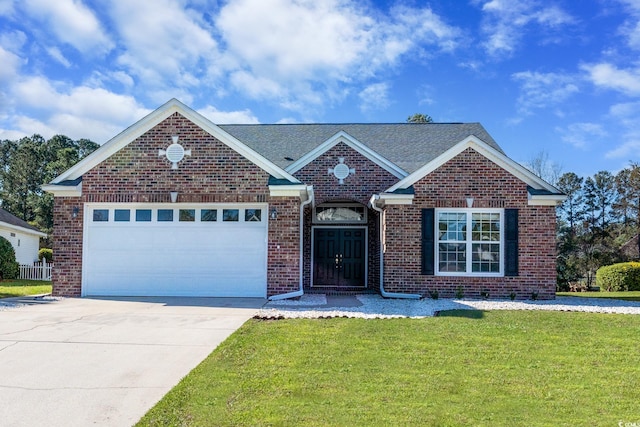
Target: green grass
[627, 296]
[482, 369]
[19, 288]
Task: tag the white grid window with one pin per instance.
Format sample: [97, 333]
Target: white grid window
[469, 242]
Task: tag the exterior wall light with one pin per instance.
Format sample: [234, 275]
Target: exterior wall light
[75, 211]
[273, 214]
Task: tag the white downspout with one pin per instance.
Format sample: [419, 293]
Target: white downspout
[300, 291]
[385, 294]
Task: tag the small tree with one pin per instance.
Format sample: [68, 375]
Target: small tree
[9, 268]
[419, 118]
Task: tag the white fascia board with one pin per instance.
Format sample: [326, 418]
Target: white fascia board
[546, 200]
[22, 229]
[296, 190]
[395, 199]
[63, 190]
[485, 150]
[154, 118]
[350, 141]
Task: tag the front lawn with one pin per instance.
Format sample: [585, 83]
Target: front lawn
[463, 368]
[20, 288]
[627, 296]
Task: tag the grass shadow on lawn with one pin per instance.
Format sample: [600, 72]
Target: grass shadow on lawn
[466, 314]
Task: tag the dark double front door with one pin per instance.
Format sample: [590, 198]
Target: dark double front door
[339, 256]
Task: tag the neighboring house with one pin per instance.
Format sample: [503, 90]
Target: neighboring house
[176, 205]
[24, 238]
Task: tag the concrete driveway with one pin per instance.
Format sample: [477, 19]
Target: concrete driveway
[80, 362]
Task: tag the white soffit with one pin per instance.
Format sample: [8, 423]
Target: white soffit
[63, 190]
[350, 141]
[154, 118]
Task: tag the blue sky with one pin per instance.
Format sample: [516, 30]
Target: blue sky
[561, 77]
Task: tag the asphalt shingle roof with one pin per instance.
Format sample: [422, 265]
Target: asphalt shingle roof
[11, 219]
[408, 145]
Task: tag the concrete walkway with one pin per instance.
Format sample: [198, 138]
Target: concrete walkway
[80, 362]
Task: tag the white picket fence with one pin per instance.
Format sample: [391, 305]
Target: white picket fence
[37, 271]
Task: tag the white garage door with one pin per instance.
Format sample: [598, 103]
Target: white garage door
[175, 250]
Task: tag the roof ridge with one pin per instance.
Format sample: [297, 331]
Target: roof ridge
[346, 123]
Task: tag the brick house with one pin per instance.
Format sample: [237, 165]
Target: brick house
[176, 205]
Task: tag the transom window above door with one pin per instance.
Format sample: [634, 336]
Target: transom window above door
[340, 213]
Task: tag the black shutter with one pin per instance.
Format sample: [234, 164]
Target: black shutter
[511, 242]
[428, 237]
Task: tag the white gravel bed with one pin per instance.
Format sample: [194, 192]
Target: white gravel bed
[376, 307]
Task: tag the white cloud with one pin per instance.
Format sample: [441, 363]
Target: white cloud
[78, 112]
[581, 135]
[611, 77]
[543, 90]
[628, 150]
[630, 29]
[163, 44]
[229, 117]
[13, 40]
[300, 52]
[10, 65]
[6, 7]
[625, 116]
[374, 97]
[72, 22]
[505, 22]
[55, 53]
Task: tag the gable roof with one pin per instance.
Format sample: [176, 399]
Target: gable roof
[407, 150]
[407, 145]
[537, 187]
[345, 138]
[16, 223]
[147, 123]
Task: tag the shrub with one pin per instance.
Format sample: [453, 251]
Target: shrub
[45, 253]
[624, 276]
[9, 268]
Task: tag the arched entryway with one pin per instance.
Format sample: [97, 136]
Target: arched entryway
[340, 246]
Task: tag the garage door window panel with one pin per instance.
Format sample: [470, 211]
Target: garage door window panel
[122, 215]
[165, 215]
[143, 215]
[230, 215]
[100, 215]
[187, 215]
[208, 215]
[253, 215]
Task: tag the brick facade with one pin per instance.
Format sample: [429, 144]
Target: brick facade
[215, 173]
[67, 246]
[368, 179]
[471, 175]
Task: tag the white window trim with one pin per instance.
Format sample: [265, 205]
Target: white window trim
[469, 243]
[175, 207]
[340, 205]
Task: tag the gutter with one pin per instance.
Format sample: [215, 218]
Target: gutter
[300, 291]
[385, 294]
